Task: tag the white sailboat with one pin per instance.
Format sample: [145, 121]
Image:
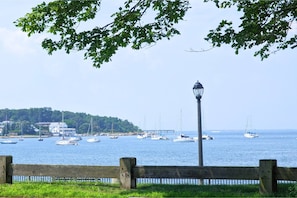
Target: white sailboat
[204, 137]
[75, 138]
[142, 136]
[159, 136]
[248, 133]
[112, 136]
[182, 137]
[93, 139]
[64, 141]
[21, 138]
[40, 138]
[8, 142]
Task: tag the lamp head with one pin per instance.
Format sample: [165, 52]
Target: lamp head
[198, 90]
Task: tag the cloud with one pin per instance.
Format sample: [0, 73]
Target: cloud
[16, 42]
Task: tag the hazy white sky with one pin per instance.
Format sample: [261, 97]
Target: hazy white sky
[152, 87]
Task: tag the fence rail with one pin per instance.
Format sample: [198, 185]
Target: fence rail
[128, 174]
[206, 172]
[65, 171]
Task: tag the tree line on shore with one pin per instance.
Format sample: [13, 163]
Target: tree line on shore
[30, 121]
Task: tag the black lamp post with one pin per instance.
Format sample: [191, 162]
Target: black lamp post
[198, 92]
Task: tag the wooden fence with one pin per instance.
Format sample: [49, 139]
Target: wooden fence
[128, 172]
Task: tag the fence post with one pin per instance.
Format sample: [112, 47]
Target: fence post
[127, 181]
[267, 177]
[5, 164]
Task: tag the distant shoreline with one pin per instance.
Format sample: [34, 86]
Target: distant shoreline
[82, 135]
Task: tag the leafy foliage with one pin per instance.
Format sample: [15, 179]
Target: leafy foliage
[62, 17]
[265, 24]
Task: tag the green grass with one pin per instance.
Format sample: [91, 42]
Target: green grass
[86, 189]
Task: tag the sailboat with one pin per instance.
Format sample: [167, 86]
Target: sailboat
[249, 134]
[158, 136]
[21, 138]
[182, 137]
[40, 139]
[112, 136]
[7, 141]
[64, 141]
[92, 139]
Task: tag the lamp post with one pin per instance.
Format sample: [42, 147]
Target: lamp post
[198, 92]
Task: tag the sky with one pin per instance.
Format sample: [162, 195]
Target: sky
[151, 87]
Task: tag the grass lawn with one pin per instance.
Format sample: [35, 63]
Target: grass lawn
[86, 189]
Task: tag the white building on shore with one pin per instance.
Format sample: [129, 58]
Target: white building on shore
[61, 129]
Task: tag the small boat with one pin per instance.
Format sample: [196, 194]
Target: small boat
[207, 137]
[75, 138]
[21, 138]
[250, 135]
[66, 142]
[144, 136]
[159, 137]
[40, 139]
[183, 138]
[112, 136]
[8, 142]
[204, 137]
[93, 140]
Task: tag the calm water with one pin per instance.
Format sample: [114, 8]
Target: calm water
[229, 148]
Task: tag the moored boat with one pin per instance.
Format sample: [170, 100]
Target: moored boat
[75, 138]
[207, 137]
[143, 136]
[183, 138]
[204, 137]
[113, 137]
[8, 142]
[66, 142]
[250, 135]
[93, 140]
[159, 137]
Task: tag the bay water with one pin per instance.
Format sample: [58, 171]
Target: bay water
[228, 148]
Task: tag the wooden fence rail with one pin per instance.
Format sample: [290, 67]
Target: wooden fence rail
[267, 173]
[71, 171]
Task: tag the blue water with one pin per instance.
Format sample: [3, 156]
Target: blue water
[229, 148]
